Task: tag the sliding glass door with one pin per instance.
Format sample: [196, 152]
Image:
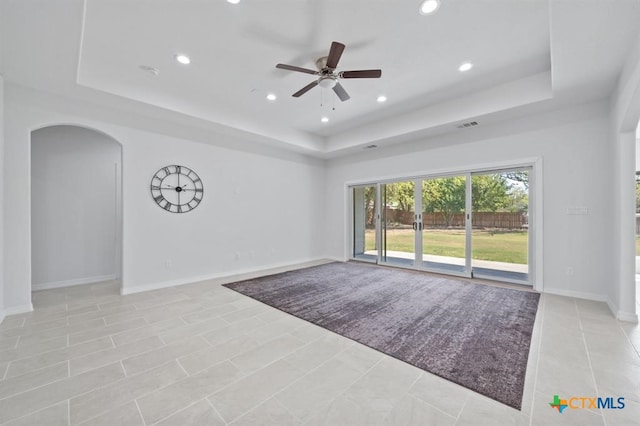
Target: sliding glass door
[500, 238]
[444, 235]
[472, 224]
[365, 218]
[399, 223]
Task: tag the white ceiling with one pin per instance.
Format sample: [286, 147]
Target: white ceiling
[525, 52]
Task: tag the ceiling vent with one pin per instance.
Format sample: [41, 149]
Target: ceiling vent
[467, 124]
[150, 70]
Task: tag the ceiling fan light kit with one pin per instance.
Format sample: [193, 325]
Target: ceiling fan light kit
[327, 82]
[327, 75]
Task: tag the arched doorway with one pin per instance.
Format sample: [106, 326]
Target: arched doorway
[76, 208]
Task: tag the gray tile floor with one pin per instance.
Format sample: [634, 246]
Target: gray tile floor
[202, 354]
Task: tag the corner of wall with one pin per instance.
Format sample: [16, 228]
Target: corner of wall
[624, 115]
[2, 314]
[14, 310]
[622, 315]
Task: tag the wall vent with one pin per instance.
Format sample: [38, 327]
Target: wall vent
[467, 124]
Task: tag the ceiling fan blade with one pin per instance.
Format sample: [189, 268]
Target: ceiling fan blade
[334, 54]
[361, 74]
[305, 89]
[342, 94]
[294, 68]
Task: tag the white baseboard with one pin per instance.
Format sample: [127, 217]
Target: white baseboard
[71, 283]
[577, 294]
[13, 310]
[627, 316]
[219, 279]
[617, 313]
[621, 315]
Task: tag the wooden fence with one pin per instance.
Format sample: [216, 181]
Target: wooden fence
[500, 220]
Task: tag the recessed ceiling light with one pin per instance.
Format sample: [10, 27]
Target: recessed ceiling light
[271, 97]
[233, 1]
[427, 7]
[325, 119]
[465, 67]
[183, 59]
[382, 98]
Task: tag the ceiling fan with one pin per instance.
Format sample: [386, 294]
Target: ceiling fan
[327, 74]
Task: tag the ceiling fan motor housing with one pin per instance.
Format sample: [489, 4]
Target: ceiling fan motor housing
[321, 64]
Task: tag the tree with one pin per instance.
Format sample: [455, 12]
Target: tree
[496, 192]
[521, 176]
[490, 193]
[445, 196]
[400, 195]
[370, 205]
[518, 200]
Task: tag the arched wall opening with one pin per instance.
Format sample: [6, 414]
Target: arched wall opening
[76, 207]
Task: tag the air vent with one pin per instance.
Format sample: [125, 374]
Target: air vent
[467, 124]
[150, 70]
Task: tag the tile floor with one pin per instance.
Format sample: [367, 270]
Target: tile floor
[202, 354]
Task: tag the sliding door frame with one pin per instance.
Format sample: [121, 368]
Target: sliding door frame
[466, 273]
[530, 258]
[535, 240]
[377, 222]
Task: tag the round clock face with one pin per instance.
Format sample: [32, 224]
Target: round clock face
[177, 189]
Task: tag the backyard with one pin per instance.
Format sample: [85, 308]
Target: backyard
[494, 245]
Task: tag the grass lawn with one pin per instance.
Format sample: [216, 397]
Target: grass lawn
[498, 246]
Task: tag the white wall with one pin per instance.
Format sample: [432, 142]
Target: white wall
[256, 211]
[73, 206]
[266, 207]
[1, 198]
[576, 172]
[625, 112]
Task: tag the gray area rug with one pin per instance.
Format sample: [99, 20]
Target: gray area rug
[475, 335]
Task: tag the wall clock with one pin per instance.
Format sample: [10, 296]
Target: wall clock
[177, 189]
